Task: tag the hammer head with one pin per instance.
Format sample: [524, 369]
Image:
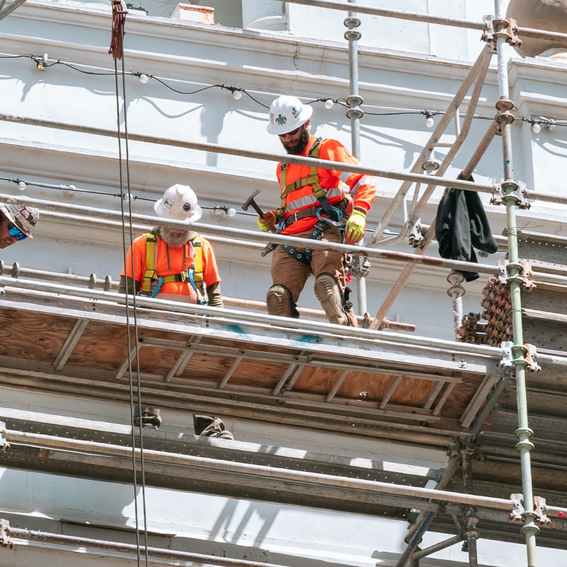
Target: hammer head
[250, 200]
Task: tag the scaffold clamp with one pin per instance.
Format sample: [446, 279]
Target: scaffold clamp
[506, 190]
[5, 540]
[507, 357]
[540, 508]
[506, 28]
[531, 357]
[4, 445]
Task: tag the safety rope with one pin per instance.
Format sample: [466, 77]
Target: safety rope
[117, 52]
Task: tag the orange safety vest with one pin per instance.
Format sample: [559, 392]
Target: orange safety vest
[193, 275]
[306, 192]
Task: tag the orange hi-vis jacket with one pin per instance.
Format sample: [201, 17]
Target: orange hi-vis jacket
[170, 261]
[336, 184]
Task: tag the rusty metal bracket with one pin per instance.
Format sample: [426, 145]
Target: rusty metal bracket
[5, 540]
[508, 29]
[518, 511]
[521, 273]
[531, 357]
[504, 115]
[505, 190]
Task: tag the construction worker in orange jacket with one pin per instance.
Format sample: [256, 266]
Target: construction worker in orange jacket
[177, 265]
[315, 203]
[16, 223]
[174, 264]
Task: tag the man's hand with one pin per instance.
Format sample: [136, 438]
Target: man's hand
[354, 229]
[267, 222]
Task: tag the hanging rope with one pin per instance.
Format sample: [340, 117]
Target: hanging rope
[117, 52]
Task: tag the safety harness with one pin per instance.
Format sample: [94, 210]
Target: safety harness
[334, 215]
[192, 275]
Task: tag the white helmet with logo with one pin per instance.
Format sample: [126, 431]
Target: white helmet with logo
[286, 114]
[179, 202]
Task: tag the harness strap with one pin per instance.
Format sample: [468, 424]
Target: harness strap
[312, 179]
[305, 256]
[193, 276]
[150, 273]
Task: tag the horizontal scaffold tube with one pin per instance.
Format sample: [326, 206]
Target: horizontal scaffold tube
[284, 158]
[52, 442]
[266, 156]
[254, 236]
[125, 548]
[230, 316]
[247, 236]
[426, 18]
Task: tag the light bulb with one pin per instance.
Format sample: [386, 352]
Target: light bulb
[329, 104]
[40, 65]
[549, 126]
[429, 122]
[536, 128]
[22, 185]
[231, 212]
[144, 78]
[237, 94]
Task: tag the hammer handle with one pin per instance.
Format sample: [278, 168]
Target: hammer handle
[260, 212]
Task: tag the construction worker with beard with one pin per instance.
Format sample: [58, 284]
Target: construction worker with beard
[16, 223]
[315, 204]
[177, 264]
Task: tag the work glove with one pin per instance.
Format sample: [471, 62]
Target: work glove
[354, 229]
[267, 221]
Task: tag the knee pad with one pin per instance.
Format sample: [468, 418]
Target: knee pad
[328, 292]
[280, 302]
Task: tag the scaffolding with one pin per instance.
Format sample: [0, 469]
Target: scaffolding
[299, 350]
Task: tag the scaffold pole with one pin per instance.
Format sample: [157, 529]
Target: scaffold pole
[514, 271]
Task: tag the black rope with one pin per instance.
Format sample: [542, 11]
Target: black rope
[136, 333]
[131, 351]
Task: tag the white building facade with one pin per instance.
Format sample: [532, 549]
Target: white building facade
[183, 80]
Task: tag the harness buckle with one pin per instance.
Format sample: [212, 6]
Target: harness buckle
[339, 223]
[184, 277]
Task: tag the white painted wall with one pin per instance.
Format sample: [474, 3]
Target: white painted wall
[402, 64]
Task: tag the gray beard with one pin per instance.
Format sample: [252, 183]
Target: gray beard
[174, 241]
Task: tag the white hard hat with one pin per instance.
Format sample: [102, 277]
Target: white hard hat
[25, 218]
[286, 114]
[179, 202]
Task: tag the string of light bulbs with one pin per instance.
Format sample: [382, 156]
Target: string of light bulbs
[217, 211]
[44, 62]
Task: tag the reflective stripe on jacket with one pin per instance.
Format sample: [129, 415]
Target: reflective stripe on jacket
[335, 184]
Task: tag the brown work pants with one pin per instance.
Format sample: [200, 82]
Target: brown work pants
[293, 274]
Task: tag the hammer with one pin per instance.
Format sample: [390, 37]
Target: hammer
[252, 202]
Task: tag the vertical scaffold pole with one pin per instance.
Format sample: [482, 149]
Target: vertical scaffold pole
[514, 271]
[355, 113]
